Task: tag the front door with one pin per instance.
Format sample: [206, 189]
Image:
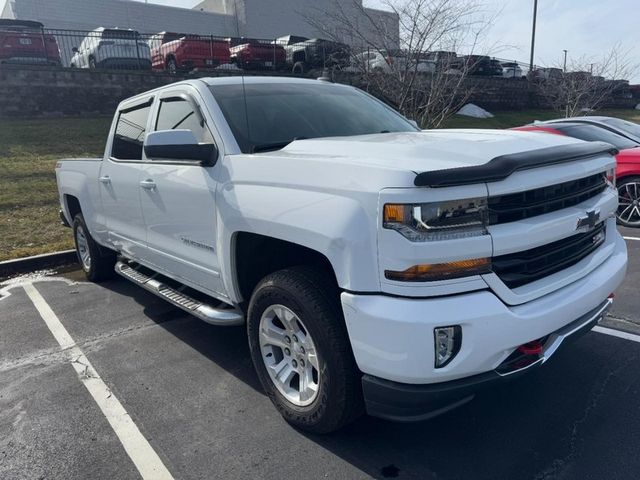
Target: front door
[179, 204]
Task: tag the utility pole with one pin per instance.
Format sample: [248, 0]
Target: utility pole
[533, 34]
[564, 69]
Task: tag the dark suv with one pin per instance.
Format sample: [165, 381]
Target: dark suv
[304, 54]
[24, 41]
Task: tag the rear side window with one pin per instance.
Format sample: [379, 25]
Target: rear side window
[591, 133]
[129, 134]
[179, 114]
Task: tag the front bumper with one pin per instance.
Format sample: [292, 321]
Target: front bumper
[392, 337]
[406, 402]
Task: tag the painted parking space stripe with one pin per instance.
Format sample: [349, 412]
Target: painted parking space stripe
[617, 333]
[632, 238]
[135, 444]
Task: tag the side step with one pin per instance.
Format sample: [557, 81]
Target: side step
[213, 315]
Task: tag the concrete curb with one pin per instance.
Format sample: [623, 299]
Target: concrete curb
[37, 262]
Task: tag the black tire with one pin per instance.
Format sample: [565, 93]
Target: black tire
[299, 68]
[172, 66]
[92, 63]
[101, 260]
[628, 213]
[313, 296]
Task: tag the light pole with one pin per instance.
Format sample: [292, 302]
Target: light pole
[564, 69]
[533, 34]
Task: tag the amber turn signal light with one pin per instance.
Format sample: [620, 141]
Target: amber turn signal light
[441, 271]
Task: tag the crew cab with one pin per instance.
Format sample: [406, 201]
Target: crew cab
[118, 48]
[178, 52]
[25, 42]
[376, 267]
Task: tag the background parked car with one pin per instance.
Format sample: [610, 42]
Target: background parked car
[511, 70]
[480, 65]
[255, 55]
[303, 54]
[112, 48]
[24, 41]
[622, 127]
[390, 61]
[182, 52]
[627, 163]
[545, 74]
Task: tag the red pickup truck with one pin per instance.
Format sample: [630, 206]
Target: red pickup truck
[253, 55]
[177, 52]
[24, 41]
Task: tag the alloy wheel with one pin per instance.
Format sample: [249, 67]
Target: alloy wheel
[289, 355]
[629, 203]
[83, 248]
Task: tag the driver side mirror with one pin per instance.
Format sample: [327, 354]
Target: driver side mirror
[74, 49]
[414, 123]
[179, 145]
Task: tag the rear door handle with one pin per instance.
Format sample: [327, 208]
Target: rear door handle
[148, 184]
[105, 179]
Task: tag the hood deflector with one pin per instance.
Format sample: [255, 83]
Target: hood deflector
[501, 167]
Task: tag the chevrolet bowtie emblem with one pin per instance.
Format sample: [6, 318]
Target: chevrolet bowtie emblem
[590, 221]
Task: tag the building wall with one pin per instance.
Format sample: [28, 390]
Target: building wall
[146, 18]
[308, 18]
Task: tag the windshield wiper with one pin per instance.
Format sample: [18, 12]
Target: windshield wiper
[267, 147]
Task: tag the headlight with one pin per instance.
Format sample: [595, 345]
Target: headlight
[610, 177]
[438, 221]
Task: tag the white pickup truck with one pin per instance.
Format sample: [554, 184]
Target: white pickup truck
[377, 267]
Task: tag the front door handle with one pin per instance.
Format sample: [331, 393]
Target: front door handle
[105, 179]
[148, 184]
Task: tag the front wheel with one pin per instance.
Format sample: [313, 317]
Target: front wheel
[299, 68]
[629, 202]
[172, 66]
[96, 261]
[301, 352]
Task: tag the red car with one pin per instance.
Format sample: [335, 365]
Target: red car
[257, 56]
[177, 52]
[24, 42]
[627, 169]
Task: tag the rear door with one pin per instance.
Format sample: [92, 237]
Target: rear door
[119, 180]
[179, 207]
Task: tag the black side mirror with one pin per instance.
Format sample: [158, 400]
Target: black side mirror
[179, 145]
[74, 49]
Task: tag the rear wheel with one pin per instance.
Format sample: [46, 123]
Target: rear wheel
[629, 202]
[172, 66]
[92, 63]
[301, 352]
[96, 261]
[299, 68]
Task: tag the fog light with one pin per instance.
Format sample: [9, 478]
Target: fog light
[447, 341]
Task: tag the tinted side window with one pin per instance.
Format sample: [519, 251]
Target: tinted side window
[592, 133]
[178, 114]
[129, 134]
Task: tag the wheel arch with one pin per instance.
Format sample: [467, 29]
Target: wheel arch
[254, 256]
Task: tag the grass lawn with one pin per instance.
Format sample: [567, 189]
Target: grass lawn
[29, 149]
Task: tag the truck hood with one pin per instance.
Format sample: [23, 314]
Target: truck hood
[428, 150]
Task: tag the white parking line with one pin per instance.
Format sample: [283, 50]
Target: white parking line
[617, 333]
[137, 447]
[631, 238]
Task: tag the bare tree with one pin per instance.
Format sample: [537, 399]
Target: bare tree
[417, 71]
[585, 85]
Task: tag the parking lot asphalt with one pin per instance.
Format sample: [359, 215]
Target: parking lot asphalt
[189, 390]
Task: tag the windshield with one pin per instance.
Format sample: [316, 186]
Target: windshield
[278, 113]
[591, 133]
[627, 127]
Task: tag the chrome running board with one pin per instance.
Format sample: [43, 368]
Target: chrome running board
[214, 315]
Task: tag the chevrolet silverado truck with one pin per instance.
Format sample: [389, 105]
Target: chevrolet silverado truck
[376, 267]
